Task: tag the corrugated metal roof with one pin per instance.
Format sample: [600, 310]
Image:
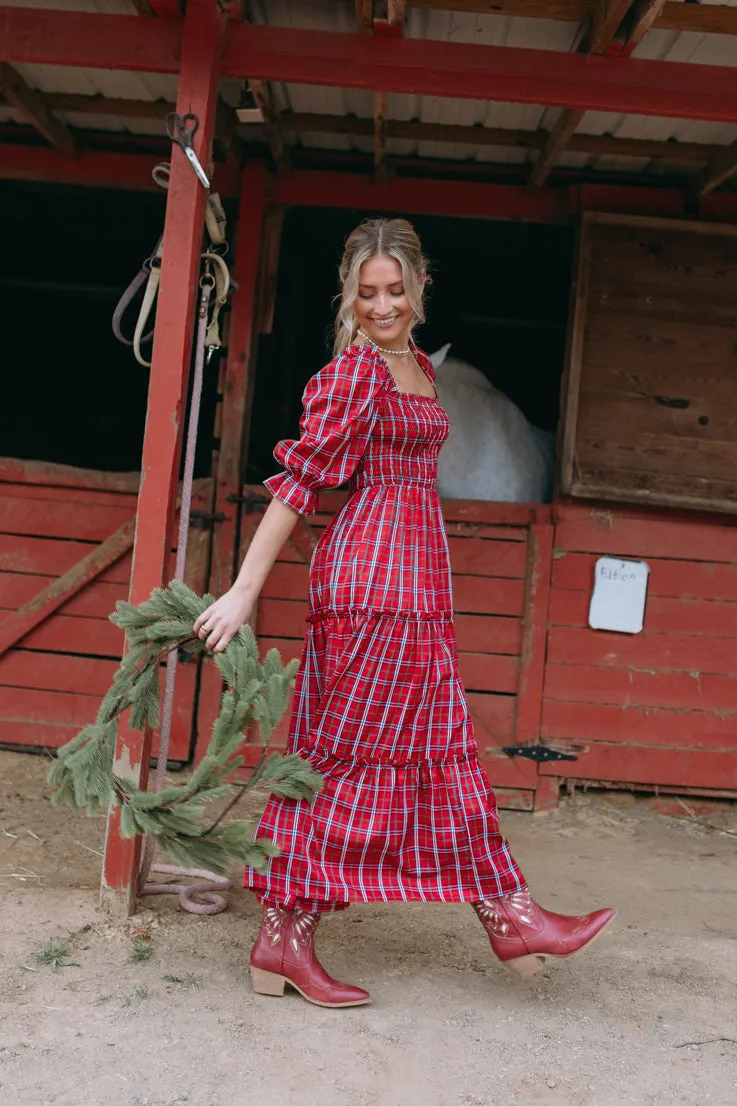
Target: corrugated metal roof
[340, 15]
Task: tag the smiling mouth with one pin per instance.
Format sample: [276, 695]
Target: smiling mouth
[385, 322]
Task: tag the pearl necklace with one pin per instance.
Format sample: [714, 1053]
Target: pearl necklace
[380, 349]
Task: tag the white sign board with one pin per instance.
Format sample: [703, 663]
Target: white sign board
[618, 598]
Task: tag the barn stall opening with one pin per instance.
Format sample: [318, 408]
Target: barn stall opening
[418, 114]
[72, 425]
[499, 294]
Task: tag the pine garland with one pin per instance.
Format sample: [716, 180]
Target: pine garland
[83, 771]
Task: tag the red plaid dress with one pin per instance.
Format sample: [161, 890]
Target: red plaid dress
[406, 813]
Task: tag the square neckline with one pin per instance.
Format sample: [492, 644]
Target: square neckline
[385, 365]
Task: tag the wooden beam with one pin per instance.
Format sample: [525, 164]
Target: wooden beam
[204, 34]
[49, 599]
[722, 166]
[380, 133]
[90, 40]
[416, 131]
[94, 168]
[365, 16]
[604, 26]
[555, 144]
[103, 105]
[264, 99]
[396, 13]
[35, 107]
[469, 71]
[421, 66]
[599, 40]
[643, 16]
[675, 15]
[161, 9]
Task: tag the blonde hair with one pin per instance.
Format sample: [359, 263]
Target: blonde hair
[395, 238]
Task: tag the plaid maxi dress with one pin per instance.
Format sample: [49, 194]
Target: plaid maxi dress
[406, 812]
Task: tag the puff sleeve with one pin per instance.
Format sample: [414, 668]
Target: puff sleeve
[339, 413]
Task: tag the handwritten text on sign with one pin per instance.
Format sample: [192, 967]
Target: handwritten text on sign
[618, 598]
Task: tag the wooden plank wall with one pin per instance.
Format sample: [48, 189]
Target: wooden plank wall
[491, 558]
[652, 394]
[52, 682]
[656, 709]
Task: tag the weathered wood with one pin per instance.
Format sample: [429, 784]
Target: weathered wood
[643, 16]
[556, 142]
[414, 130]
[18, 624]
[47, 473]
[534, 631]
[651, 652]
[639, 725]
[381, 102]
[649, 766]
[646, 287]
[675, 15]
[598, 39]
[627, 688]
[203, 35]
[721, 167]
[35, 107]
[365, 16]
[674, 579]
[665, 615]
[263, 96]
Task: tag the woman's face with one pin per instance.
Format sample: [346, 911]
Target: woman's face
[382, 309]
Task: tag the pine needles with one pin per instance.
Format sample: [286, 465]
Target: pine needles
[255, 692]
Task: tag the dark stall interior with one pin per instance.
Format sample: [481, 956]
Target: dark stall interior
[71, 393]
[500, 294]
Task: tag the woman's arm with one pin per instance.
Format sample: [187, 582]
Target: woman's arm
[220, 622]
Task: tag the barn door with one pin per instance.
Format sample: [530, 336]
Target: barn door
[500, 555]
[650, 415]
[66, 537]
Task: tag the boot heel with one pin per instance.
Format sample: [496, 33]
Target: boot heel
[526, 965]
[267, 983]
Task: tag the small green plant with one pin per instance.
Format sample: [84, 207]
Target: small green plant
[55, 955]
[142, 951]
[142, 991]
[188, 980]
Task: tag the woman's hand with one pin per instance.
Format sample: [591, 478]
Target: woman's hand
[219, 624]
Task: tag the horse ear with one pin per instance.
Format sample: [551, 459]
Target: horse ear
[437, 358]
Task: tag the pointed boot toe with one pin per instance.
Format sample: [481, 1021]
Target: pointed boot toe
[523, 935]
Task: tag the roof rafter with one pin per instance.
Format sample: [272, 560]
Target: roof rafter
[35, 107]
[599, 40]
[708, 18]
[420, 66]
[414, 130]
[721, 167]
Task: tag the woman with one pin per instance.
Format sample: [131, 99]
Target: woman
[406, 813]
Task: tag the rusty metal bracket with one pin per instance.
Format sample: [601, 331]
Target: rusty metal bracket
[202, 519]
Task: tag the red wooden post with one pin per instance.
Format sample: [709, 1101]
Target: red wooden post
[534, 638]
[204, 35]
[235, 407]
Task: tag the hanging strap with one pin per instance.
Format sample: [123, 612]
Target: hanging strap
[205, 897]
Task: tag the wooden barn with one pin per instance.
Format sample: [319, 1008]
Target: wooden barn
[569, 165]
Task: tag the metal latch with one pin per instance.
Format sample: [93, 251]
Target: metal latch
[538, 753]
[202, 520]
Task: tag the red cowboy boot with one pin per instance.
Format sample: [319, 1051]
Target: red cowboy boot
[522, 934]
[285, 953]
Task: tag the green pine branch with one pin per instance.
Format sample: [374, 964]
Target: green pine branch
[256, 691]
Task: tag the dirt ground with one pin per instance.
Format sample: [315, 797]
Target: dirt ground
[649, 1015]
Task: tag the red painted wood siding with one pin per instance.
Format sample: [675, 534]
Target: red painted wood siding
[660, 707]
[52, 682]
